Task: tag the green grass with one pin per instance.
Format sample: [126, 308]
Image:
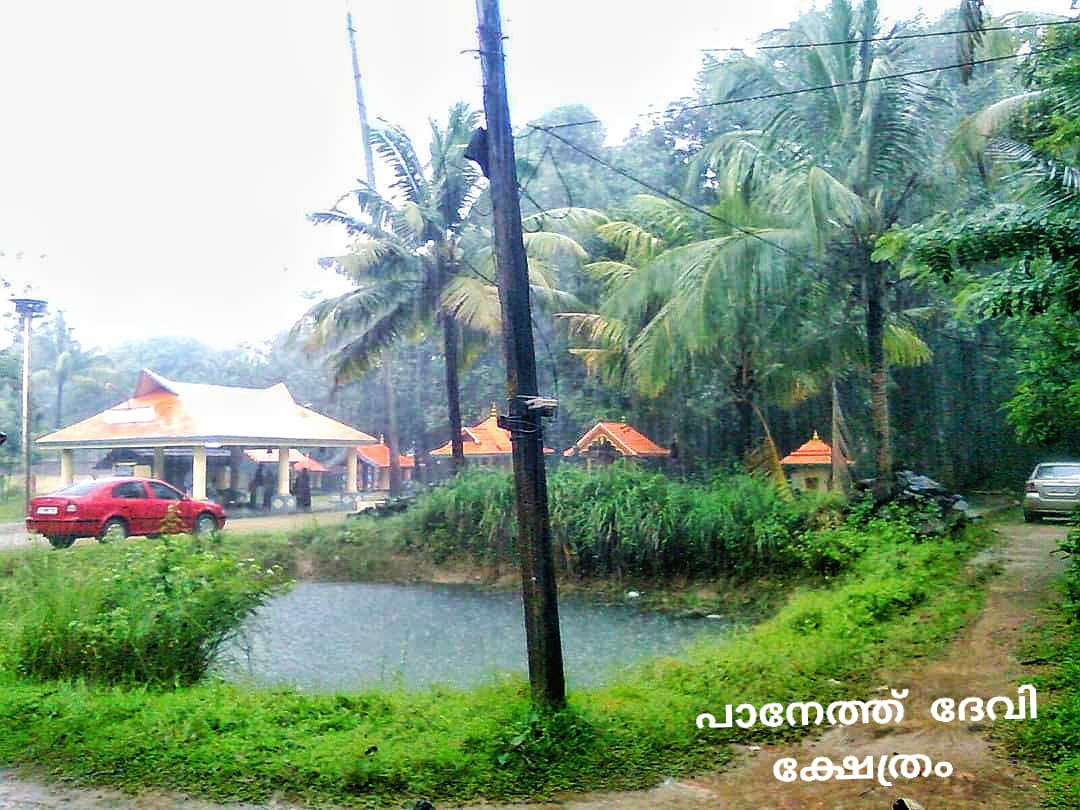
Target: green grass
[11, 509]
[1051, 742]
[901, 598]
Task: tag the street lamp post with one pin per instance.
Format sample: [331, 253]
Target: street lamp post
[27, 309]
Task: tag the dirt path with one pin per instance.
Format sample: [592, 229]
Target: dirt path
[981, 664]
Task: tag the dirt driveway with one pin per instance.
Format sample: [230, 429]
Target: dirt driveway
[981, 663]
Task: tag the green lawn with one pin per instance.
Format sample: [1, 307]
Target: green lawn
[11, 509]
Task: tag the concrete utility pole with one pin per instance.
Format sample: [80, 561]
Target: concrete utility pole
[27, 309]
[525, 406]
[388, 376]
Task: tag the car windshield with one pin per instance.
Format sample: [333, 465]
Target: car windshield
[79, 489]
[1058, 471]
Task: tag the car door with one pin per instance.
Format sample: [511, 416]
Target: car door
[162, 499]
[130, 502]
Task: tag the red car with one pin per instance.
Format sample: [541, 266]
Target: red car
[113, 508]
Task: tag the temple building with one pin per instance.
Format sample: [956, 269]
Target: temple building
[605, 442]
[809, 468]
[485, 443]
[374, 460]
[193, 420]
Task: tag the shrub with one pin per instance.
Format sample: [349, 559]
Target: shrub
[617, 521]
[146, 612]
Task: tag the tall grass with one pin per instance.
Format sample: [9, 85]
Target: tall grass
[144, 612]
[618, 521]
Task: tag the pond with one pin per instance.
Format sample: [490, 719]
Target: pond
[329, 636]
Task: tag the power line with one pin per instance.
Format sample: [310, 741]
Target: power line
[894, 37]
[667, 195]
[817, 88]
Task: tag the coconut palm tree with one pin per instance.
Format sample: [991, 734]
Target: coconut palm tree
[845, 160]
[67, 363]
[420, 256]
[405, 252]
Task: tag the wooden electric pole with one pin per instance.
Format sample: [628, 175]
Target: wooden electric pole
[388, 377]
[525, 408]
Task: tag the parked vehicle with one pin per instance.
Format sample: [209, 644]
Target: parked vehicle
[114, 508]
[1052, 489]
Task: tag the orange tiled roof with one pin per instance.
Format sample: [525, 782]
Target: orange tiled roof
[814, 451]
[165, 413]
[484, 439]
[627, 440]
[296, 458]
[378, 455]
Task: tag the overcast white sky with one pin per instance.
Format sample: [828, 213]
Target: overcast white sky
[163, 156]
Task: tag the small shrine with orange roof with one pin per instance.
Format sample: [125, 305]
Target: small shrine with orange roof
[605, 442]
[485, 443]
[810, 466]
[374, 461]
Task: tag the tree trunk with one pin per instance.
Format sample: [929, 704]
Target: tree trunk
[453, 394]
[391, 428]
[743, 392]
[59, 402]
[879, 378]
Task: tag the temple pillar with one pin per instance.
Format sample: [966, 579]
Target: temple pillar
[283, 471]
[350, 470]
[67, 467]
[236, 458]
[198, 473]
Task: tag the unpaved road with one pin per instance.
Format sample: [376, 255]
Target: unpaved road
[981, 663]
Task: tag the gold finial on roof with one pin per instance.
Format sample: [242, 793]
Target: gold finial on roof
[815, 437]
[494, 412]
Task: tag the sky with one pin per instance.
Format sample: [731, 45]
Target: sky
[158, 159]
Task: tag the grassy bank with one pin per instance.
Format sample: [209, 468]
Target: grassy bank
[896, 595]
[1051, 743]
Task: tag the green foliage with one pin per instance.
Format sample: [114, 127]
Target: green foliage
[471, 516]
[383, 748]
[616, 521]
[147, 612]
[1052, 741]
[1046, 406]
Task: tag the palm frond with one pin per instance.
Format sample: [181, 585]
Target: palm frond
[574, 222]
[474, 303]
[551, 246]
[636, 243]
[394, 147]
[903, 347]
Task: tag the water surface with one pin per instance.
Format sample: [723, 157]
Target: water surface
[326, 636]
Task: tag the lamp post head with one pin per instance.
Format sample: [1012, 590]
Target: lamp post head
[29, 307]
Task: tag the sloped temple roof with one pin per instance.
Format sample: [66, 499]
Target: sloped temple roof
[627, 440]
[378, 455]
[484, 439]
[814, 452]
[165, 413]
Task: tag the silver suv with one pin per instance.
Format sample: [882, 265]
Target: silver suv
[1052, 489]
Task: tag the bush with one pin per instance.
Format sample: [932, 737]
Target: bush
[617, 521]
[146, 612]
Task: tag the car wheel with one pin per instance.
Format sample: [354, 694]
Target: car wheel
[60, 542]
[114, 529]
[1030, 517]
[205, 524]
